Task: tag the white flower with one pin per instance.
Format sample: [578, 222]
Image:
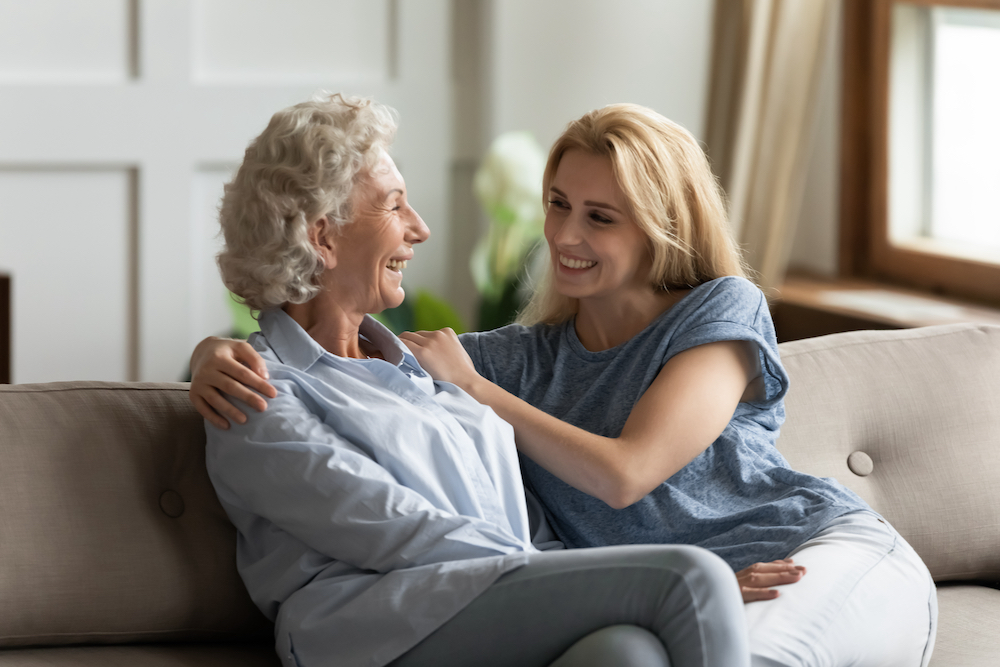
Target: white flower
[508, 184]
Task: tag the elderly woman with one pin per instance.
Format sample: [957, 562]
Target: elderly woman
[381, 515]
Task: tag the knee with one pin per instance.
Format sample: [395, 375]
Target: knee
[620, 645]
[703, 564]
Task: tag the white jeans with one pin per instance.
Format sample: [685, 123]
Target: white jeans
[866, 600]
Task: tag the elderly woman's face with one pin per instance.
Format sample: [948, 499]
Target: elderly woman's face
[378, 242]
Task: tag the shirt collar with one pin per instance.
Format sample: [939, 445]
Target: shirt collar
[296, 348]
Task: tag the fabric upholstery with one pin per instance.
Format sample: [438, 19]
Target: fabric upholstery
[110, 531]
[968, 623]
[150, 655]
[111, 534]
[923, 405]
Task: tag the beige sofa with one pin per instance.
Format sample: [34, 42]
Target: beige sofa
[114, 550]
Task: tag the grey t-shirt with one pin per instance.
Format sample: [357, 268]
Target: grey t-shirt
[738, 498]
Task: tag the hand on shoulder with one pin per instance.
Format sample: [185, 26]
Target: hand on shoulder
[222, 366]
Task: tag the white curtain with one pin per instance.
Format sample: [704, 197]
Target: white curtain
[766, 62]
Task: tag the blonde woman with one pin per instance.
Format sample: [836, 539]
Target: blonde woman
[646, 393]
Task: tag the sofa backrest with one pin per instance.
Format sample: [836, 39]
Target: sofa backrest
[110, 531]
[909, 420]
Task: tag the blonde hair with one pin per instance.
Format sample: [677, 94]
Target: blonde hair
[303, 166]
[671, 195]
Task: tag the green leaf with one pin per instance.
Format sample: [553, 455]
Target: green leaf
[244, 322]
[431, 313]
[398, 319]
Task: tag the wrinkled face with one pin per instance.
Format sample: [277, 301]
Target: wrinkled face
[372, 250]
[597, 250]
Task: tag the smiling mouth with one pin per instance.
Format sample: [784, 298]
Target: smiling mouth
[396, 264]
[575, 263]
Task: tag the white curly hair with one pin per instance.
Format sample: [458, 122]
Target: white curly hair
[303, 166]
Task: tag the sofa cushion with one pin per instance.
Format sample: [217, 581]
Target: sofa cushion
[210, 655]
[967, 627]
[110, 530]
[921, 405]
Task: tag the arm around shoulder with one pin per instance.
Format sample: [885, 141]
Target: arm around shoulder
[289, 467]
[221, 367]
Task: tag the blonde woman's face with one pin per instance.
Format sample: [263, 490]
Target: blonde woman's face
[597, 250]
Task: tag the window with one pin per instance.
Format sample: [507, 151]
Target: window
[921, 145]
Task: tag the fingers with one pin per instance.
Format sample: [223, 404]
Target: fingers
[257, 376]
[411, 338]
[235, 387]
[246, 379]
[206, 411]
[423, 336]
[756, 581]
[766, 579]
[758, 594]
[215, 407]
[786, 565]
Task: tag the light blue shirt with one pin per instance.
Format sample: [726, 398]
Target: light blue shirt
[372, 504]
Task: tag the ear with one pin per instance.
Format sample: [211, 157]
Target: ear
[322, 235]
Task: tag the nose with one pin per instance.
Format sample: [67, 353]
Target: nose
[417, 230]
[566, 230]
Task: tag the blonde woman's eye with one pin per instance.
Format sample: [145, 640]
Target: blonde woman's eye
[604, 220]
[558, 203]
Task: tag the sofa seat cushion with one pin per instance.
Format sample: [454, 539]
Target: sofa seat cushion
[150, 655]
[968, 627]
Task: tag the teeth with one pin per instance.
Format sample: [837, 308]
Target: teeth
[396, 264]
[575, 263]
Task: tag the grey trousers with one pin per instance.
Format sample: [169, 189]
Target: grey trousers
[643, 605]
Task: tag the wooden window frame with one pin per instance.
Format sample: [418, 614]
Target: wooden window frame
[865, 249]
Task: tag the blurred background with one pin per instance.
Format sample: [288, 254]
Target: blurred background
[120, 120]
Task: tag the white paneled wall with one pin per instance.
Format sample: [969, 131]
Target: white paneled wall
[261, 41]
[557, 59]
[209, 308]
[72, 314]
[89, 43]
[121, 119]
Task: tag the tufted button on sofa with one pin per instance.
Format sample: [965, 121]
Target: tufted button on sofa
[910, 420]
[115, 551]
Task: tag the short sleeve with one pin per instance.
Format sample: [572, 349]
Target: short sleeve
[470, 341]
[733, 308]
[500, 355]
